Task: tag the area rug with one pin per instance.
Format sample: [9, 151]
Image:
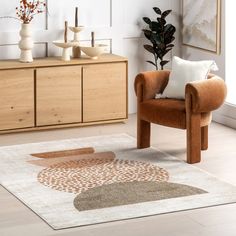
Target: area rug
[99, 179]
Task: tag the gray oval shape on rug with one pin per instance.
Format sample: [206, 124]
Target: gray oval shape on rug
[118, 194]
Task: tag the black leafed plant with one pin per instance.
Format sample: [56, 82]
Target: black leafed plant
[161, 36]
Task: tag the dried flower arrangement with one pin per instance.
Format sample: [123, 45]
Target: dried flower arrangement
[28, 9]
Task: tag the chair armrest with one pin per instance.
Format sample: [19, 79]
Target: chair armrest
[206, 95]
[147, 84]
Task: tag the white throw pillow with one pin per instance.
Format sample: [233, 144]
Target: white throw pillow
[183, 72]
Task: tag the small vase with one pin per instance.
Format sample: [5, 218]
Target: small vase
[26, 43]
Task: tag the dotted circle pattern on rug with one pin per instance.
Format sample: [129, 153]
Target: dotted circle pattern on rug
[80, 175]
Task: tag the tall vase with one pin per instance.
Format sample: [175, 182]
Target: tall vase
[26, 43]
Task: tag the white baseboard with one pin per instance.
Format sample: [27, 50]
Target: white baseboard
[226, 115]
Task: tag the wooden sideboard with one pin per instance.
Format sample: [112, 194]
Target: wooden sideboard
[50, 93]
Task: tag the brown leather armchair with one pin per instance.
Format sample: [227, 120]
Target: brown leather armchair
[192, 114]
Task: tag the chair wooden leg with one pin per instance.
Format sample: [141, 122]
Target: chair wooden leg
[193, 139]
[204, 138]
[143, 134]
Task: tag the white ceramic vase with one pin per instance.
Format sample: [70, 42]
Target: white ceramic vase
[76, 49]
[26, 43]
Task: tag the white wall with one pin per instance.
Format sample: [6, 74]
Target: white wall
[227, 114]
[117, 23]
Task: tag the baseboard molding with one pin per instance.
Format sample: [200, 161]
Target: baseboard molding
[230, 122]
[226, 115]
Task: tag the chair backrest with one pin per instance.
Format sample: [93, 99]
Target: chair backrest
[210, 76]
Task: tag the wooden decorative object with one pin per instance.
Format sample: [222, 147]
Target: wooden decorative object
[93, 39]
[51, 93]
[65, 33]
[76, 17]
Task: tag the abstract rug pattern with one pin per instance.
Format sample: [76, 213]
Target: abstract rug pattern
[81, 175]
[77, 182]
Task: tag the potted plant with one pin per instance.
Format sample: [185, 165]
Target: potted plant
[161, 36]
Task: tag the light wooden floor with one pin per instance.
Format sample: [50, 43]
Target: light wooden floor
[220, 160]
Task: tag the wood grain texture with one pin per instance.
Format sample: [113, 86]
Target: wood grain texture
[62, 126]
[58, 95]
[56, 61]
[104, 92]
[16, 99]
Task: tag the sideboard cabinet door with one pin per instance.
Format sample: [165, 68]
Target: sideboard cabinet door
[16, 99]
[58, 95]
[105, 92]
